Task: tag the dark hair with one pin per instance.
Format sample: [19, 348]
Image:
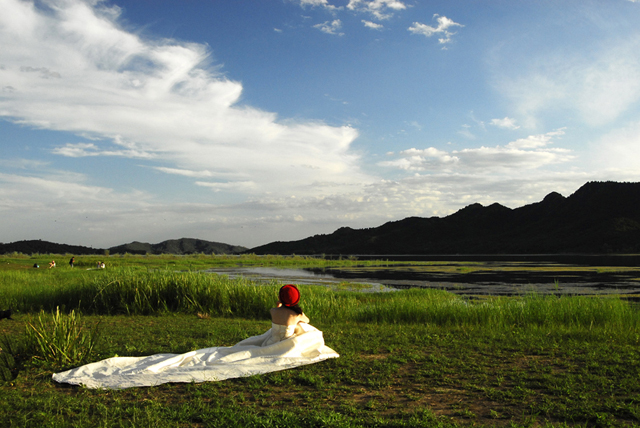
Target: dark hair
[297, 309]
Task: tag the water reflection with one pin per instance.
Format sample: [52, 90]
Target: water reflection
[302, 276]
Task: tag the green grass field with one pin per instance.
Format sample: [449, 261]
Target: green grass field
[408, 358]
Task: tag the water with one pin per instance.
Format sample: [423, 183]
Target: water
[499, 277]
[301, 276]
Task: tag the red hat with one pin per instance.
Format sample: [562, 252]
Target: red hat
[289, 295]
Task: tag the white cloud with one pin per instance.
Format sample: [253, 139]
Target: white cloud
[79, 150]
[380, 9]
[330, 27]
[185, 172]
[535, 141]
[507, 123]
[74, 68]
[597, 87]
[372, 25]
[443, 29]
[236, 186]
[523, 154]
[161, 102]
[23, 163]
[618, 150]
[319, 3]
[63, 208]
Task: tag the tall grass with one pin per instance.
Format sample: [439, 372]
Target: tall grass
[143, 292]
[58, 341]
[166, 291]
[441, 308]
[61, 340]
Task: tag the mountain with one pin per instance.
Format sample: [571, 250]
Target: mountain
[173, 246]
[178, 246]
[37, 246]
[600, 217]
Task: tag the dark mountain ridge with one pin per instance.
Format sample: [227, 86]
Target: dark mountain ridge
[600, 217]
[179, 246]
[38, 246]
[172, 246]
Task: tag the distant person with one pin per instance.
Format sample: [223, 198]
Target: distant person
[35, 265]
[286, 316]
[102, 265]
[99, 264]
[52, 264]
[72, 261]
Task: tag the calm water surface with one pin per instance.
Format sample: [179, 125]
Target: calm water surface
[497, 277]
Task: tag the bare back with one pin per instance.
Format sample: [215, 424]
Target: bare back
[285, 316]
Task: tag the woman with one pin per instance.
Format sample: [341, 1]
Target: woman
[286, 316]
[282, 347]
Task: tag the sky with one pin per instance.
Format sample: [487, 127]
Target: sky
[253, 121]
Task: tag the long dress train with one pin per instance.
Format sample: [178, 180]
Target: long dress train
[280, 348]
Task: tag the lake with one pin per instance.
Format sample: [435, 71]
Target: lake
[473, 275]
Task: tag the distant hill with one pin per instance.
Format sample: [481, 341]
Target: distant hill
[38, 246]
[178, 246]
[173, 246]
[600, 217]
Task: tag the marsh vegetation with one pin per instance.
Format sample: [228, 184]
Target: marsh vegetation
[414, 357]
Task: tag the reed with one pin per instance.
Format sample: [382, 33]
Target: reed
[445, 309]
[144, 292]
[61, 340]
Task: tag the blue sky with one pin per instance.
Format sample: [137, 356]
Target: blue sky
[248, 122]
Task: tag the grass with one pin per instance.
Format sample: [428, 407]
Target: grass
[389, 376]
[179, 262]
[408, 358]
[145, 292]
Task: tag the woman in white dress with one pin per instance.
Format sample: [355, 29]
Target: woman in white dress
[290, 342]
[286, 316]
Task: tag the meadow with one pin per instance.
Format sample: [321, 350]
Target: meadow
[408, 358]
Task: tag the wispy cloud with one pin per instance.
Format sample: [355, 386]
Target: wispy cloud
[380, 9]
[236, 186]
[528, 153]
[466, 132]
[618, 150]
[597, 87]
[79, 150]
[319, 3]
[74, 68]
[330, 27]
[443, 29]
[506, 123]
[372, 25]
[185, 172]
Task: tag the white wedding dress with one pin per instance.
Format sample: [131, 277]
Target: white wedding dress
[280, 348]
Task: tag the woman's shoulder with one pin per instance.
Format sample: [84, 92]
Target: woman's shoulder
[284, 316]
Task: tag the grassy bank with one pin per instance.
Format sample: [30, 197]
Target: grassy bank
[145, 292]
[178, 262]
[387, 376]
[408, 358]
